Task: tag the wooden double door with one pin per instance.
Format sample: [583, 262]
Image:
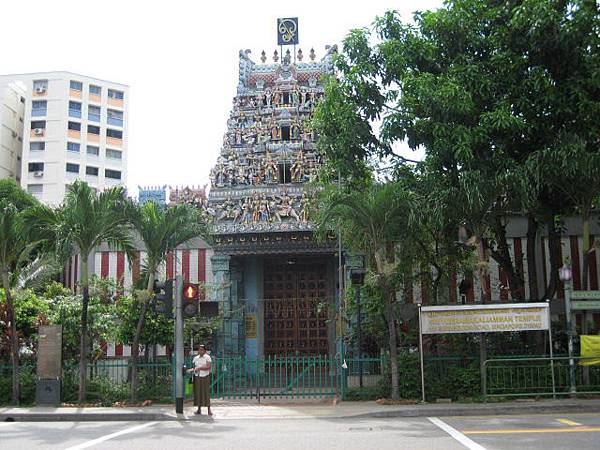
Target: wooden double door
[295, 308]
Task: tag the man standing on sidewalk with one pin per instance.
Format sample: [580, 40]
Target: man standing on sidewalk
[202, 365]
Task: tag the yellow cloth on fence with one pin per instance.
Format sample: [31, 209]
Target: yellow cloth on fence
[590, 346]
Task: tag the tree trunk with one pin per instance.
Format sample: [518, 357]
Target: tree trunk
[84, 328]
[135, 347]
[532, 231]
[502, 257]
[14, 339]
[586, 250]
[391, 319]
[553, 246]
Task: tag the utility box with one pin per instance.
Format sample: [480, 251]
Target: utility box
[47, 393]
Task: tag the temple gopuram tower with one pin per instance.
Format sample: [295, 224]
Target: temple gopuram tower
[277, 284]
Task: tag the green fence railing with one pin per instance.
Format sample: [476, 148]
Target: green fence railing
[540, 376]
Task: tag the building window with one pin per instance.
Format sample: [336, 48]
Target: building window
[93, 129]
[94, 113]
[93, 150]
[37, 124]
[89, 170]
[75, 109]
[114, 154]
[37, 146]
[96, 90]
[40, 86]
[114, 133]
[73, 147]
[72, 168]
[114, 117]
[35, 189]
[115, 94]
[76, 85]
[36, 167]
[39, 107]
[74, 126]
[114, 174]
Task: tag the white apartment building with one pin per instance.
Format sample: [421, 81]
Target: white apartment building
[12, 116]
[75, 127]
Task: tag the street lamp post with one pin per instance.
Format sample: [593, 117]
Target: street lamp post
[565, 275]
[357, 276]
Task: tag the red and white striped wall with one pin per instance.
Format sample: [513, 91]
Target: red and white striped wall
[193, 264]
[497, 281]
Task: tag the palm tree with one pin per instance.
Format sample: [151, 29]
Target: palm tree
[85, 220]
[16, 251]
[373, 220]
[162, 230]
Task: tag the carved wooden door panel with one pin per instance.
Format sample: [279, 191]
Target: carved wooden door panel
[295, 309]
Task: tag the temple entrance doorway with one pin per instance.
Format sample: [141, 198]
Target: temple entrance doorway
[295, 307]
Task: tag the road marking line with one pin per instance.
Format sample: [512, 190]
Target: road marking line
[535, 430]
[569, 422]
[110, 436]
[457, 435]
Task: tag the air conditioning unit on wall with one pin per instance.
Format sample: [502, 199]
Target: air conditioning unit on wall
[38, 131]
[38, 173]
[40, 89]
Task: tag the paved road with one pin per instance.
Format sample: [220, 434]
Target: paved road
[543, 432]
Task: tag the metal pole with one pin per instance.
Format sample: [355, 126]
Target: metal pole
[359, 324]
[421, 357]
[551, 351]
[178, 344]
[573, 384]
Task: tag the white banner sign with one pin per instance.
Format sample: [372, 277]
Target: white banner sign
[484, 318]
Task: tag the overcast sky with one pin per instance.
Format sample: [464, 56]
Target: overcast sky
[179, 57]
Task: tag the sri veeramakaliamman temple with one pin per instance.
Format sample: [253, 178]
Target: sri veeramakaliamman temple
[277, 283]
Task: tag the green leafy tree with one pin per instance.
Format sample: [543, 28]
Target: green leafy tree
[17, 249]
[83, 222]
[374, 220]
[162, 230]
[481, 86]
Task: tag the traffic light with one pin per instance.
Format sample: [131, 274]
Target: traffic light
[190, 300]
[163, 298]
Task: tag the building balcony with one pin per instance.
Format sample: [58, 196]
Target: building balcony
[94, 98]
[74, 93]
[115, 102]
[115, 142]
[74, 134]
[91, 137]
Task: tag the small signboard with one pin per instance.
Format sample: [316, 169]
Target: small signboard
[484, 318]
[585, 295]
[585, 305]
[251, 326]
[287, 31]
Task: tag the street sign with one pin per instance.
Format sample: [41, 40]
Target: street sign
[585, 295]
[585, 305]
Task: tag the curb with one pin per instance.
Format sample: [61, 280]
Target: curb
[519, 409]
[85, 417]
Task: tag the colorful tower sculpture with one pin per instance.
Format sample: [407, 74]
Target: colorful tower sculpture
[263, 241]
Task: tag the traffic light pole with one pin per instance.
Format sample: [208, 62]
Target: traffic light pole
[179, 344]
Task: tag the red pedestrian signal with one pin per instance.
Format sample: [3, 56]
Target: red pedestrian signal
[190, 291]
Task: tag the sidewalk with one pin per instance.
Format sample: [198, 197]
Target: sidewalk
[231, 410]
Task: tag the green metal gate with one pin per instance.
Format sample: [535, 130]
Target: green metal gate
[274, 377]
